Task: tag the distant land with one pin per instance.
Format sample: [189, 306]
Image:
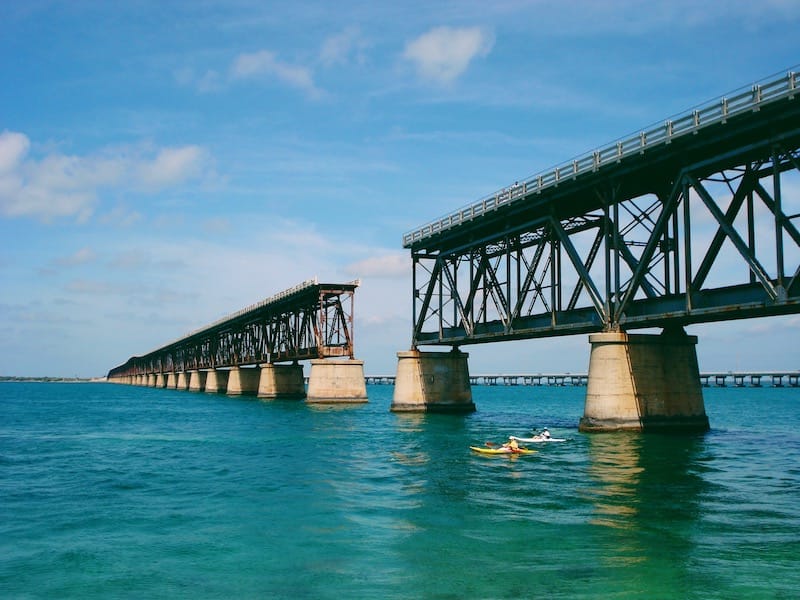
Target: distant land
[9, 378]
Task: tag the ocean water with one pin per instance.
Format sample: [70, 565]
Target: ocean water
[112, 491]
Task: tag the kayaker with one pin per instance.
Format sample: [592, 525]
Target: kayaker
[545, 433]
[512, 445]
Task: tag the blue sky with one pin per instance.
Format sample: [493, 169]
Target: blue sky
[163, 164]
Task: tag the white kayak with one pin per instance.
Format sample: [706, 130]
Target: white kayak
[536, 439]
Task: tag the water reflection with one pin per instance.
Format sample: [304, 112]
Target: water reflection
[646, 491]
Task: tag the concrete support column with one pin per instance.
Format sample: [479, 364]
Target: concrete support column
[243, 381]
[432, 382]
[334, 381]
[172, 380]
[182, 382]
[281, 381]
[197, 381]
[161, 380]
[644, 383]
[217, 381]
[151, 380]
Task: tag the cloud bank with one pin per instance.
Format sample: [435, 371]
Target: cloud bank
[59, 185]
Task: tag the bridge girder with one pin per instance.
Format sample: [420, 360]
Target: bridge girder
[618, 252]
[311, 321]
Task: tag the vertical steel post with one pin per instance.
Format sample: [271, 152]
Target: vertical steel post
[607, 267]
[776, 184]
[687, 245]
[414, 261]
[751, 230]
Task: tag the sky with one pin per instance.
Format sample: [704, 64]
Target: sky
[164, 164]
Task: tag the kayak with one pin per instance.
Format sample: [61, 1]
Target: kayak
[536, 439]
[501, 450]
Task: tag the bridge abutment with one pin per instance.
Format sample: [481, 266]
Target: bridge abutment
[643, 382]
[243, 381]
[217, 381]
[281, 381]
[432, 382]
[336, 381]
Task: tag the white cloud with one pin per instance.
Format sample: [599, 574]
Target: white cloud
[343, 47]
[58, 185]
[443, 54]
[13, 149]
[171, 166]
[386, 266]
[266, 63]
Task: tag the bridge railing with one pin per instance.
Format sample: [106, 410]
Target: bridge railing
[717, 111]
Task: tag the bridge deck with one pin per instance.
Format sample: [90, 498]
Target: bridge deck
[742, 120]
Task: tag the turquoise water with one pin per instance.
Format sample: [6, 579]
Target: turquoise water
[111, 491]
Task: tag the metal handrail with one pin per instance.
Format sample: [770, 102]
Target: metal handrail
[717, 111]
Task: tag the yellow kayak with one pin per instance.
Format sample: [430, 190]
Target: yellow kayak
[501, 450]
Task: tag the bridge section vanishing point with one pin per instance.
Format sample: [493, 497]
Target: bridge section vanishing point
[309, 321]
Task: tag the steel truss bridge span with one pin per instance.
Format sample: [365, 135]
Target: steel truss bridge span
[695, 222]
[310, 320]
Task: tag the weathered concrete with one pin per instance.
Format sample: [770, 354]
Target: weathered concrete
[243, 381]
[151, 380]
[336, 381]
[432, 382]
[197, 381]
[161, 380]
[217, 381]
[281, 381]
[172, 380]
[644, 383]
[182, 382]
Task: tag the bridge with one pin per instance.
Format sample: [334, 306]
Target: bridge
[711, 379]
[241, 353]
[689, 221]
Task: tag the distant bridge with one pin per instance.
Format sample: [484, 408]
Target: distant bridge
[239, 354]
[310, 320]
[718, 379]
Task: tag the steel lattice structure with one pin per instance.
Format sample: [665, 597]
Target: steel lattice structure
[691, 221]
[311, 320]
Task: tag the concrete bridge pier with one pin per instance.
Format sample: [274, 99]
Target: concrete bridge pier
[151, 380]
[281, 381]
[243, 381]
[197, 381]
[432, 382]
[172, 380]
[182, 382]
[644, 382]
[336, 381]
[161, 380]
[217, 381]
